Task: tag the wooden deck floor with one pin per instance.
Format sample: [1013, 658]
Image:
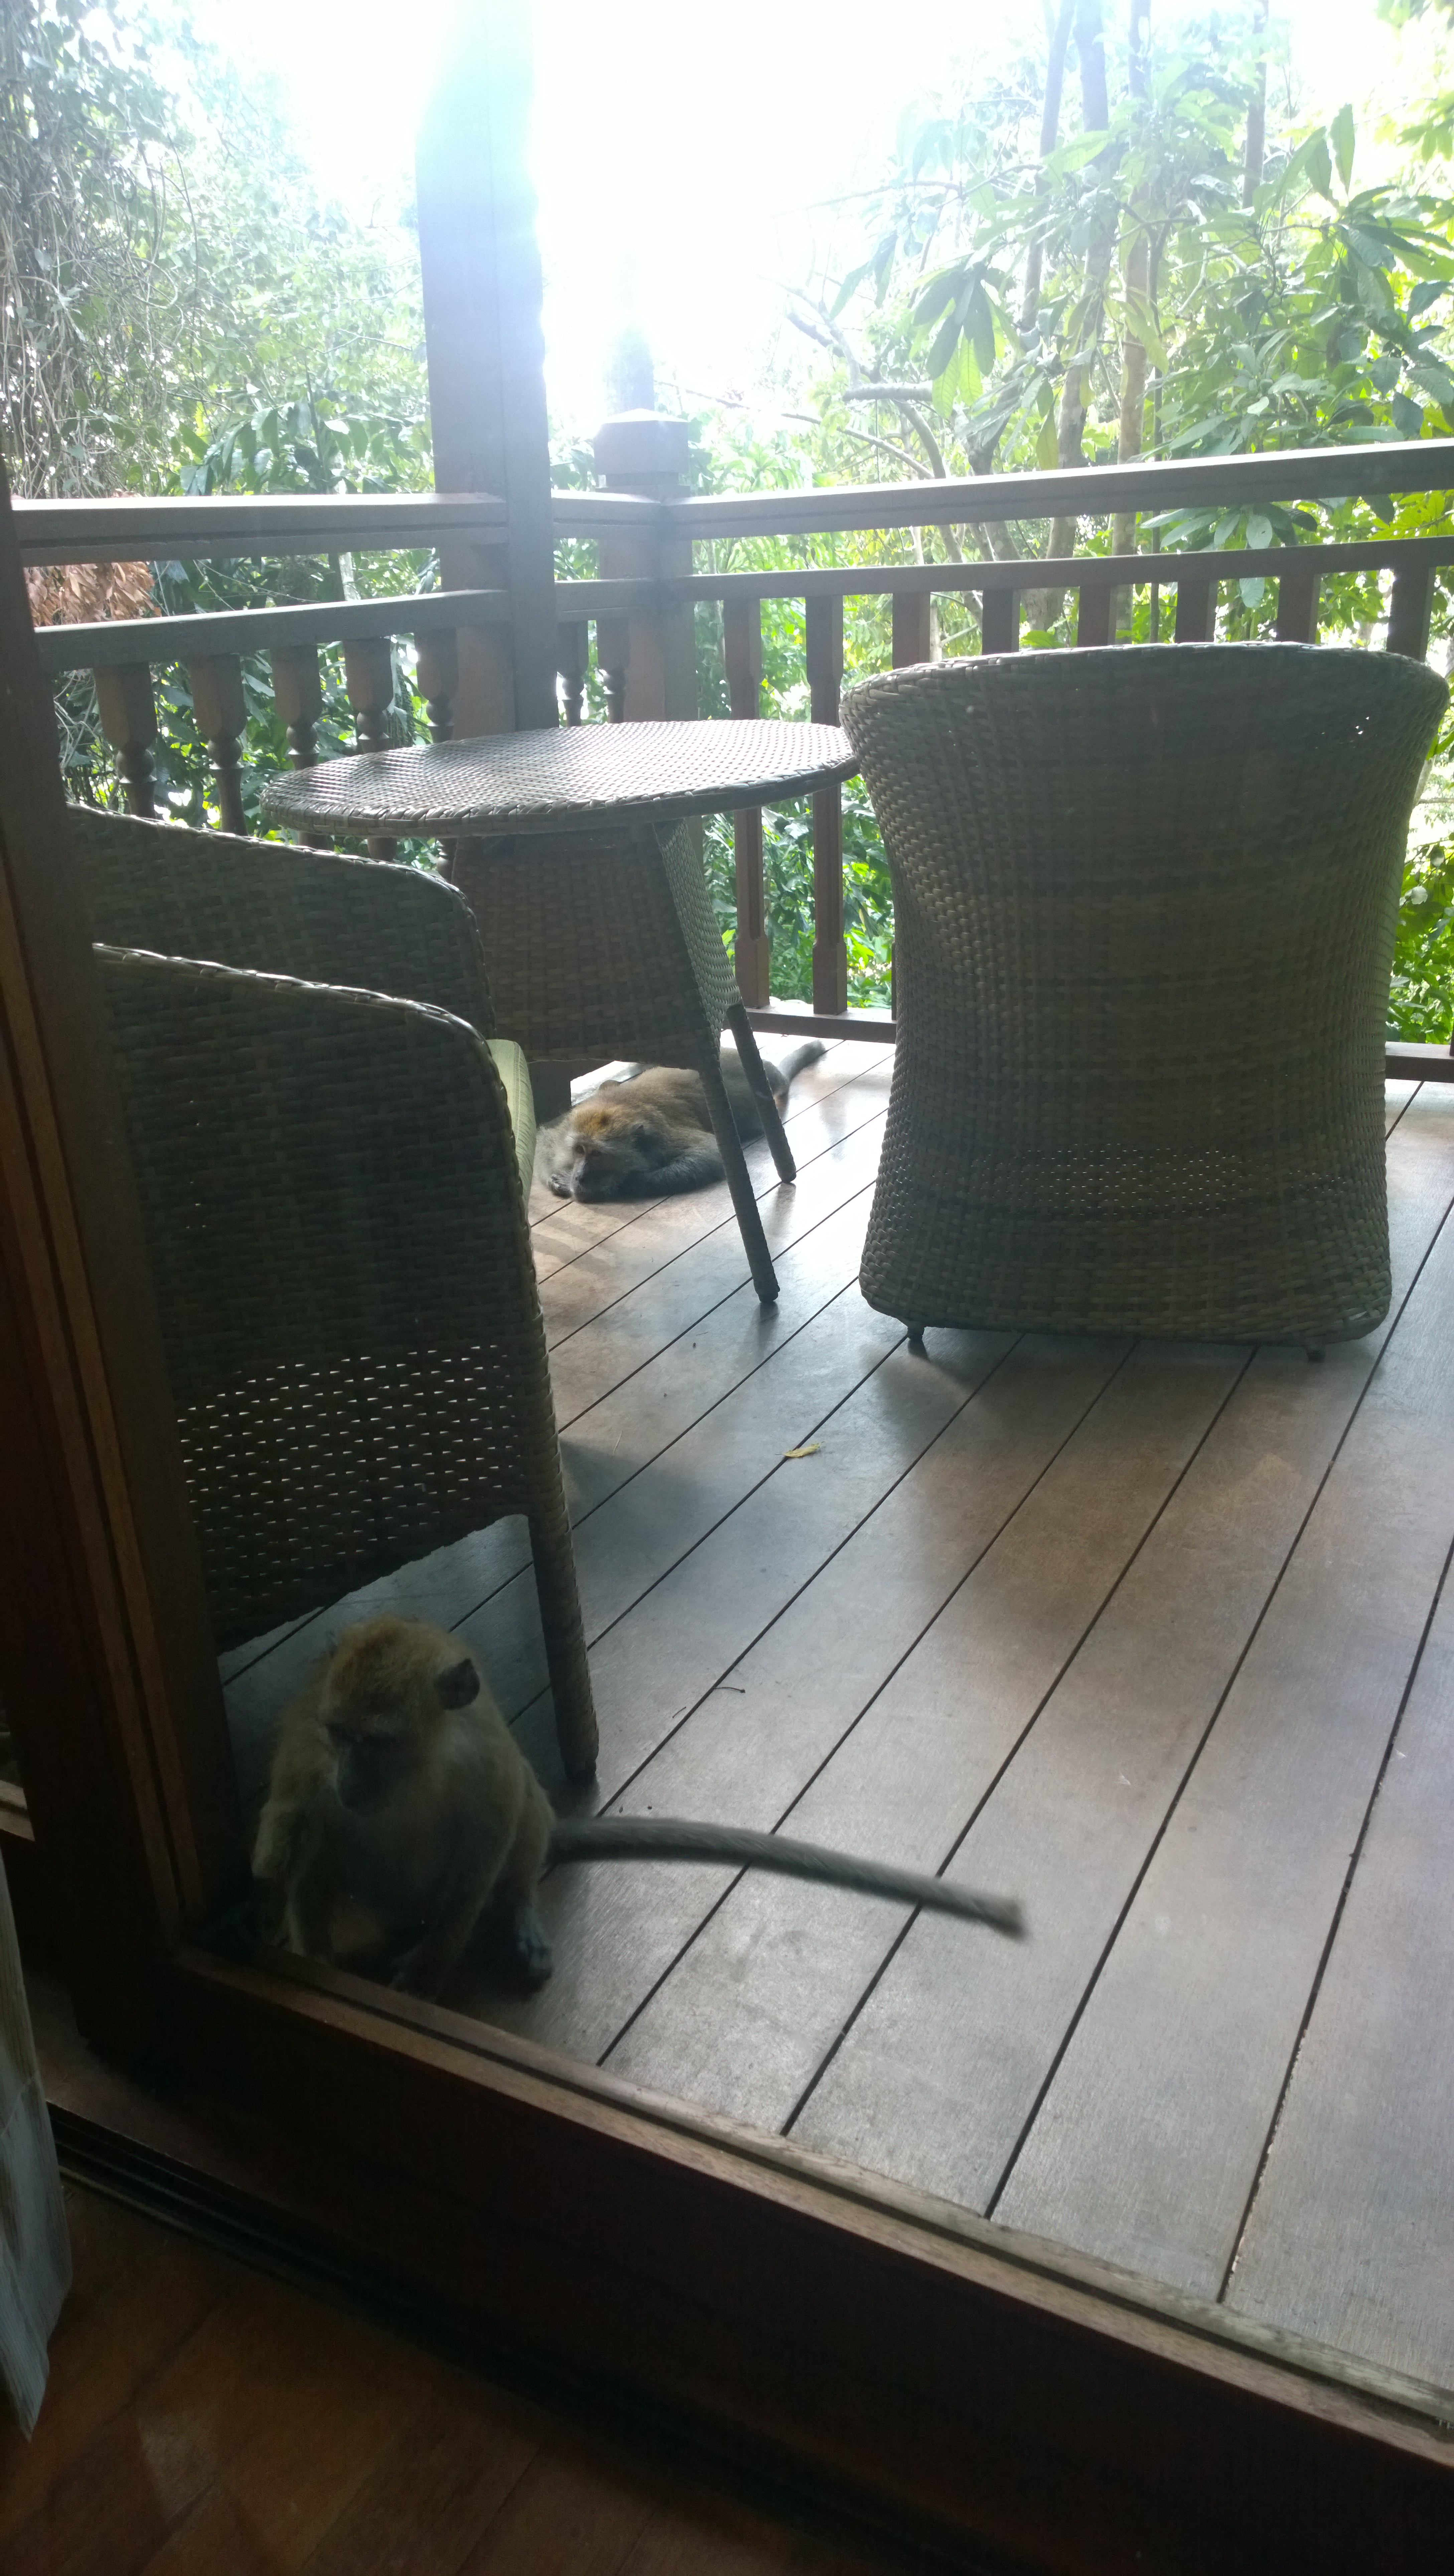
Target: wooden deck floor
[1157, 1637]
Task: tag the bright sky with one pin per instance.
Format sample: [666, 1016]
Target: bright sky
[707, 138]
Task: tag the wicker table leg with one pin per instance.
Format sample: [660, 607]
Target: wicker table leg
[761, 1089]
[739, 1181]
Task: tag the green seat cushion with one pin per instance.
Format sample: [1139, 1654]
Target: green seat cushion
[514, 1072]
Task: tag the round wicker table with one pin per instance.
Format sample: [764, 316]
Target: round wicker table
[598, 928]
[571, 778]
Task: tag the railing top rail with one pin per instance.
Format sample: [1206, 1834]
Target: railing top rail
[298, 523]
[252, 630]
[1090, 491]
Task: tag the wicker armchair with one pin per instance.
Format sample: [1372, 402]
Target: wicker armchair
[1144, 914]
[278, 910]
[333, 1199]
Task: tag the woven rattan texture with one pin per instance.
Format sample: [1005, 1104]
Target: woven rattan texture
[549, 780]
[279, 910]
[342, 1265]
[603, 943]
[1144, 912]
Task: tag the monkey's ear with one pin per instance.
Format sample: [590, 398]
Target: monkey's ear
[459, 1685]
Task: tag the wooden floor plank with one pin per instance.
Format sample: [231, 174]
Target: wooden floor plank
[746, 2018]
[682, 1635]
[573, 2513]
[609, 1443]
[98, 2367]
[1350, 2238]
[939, 2073]
[779, 1710]
[687, 1252]
[1151, 2135]
[285, 2437]
[576, 1226]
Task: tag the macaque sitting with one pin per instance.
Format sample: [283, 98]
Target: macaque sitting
[402, 1815]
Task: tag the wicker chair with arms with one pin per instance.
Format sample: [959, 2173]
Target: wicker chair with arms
[1144, 915]
[332, 1195]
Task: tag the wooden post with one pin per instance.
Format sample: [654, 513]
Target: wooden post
[1000, 621]
[825, 675]
[1092, 615]
[480, 267]
[913, 628]
[751, 957]
[646, 452]
[1297, 605]
[1196, 612]
[129, 722]
[1409, 610]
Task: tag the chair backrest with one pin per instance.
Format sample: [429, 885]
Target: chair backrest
[1143, 858]
[273, 908]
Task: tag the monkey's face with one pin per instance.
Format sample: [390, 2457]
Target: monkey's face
[387, 1698]
[609, 1153]
[371, 1761]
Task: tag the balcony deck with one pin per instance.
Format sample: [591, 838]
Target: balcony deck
[1154, 1636]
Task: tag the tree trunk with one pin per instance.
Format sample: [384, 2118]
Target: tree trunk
[1131, 431]
[1049, 135]
[1256, 120]
[1085, 323]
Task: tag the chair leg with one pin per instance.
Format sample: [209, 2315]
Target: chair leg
[761, 1089]
[729, 1145]
[565, 1648]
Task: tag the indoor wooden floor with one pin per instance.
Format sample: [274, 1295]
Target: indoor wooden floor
[1155, 1637]
[202, 2420]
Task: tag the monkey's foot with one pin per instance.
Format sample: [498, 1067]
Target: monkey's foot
[528, 1950]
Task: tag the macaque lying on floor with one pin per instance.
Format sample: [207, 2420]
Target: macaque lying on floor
[650, 1133]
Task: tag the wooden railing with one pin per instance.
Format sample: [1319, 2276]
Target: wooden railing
[646, 526]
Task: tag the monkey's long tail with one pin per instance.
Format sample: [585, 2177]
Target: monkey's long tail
[672, 1838]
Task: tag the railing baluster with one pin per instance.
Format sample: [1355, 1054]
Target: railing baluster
[221, 712]
[298, 697]
[1297, 605]
[742, 653]
[368, 673]
[1000, 622]
[913, 628]
[129, 722]
[1409, 610]
[1196, 612]
[825, 676]
[572, 661]
[613, 658]
[437, 664]
[1093, 614]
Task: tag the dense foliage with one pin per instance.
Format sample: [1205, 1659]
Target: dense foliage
[1105, 244]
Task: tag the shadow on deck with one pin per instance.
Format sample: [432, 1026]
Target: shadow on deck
[1153, 1636]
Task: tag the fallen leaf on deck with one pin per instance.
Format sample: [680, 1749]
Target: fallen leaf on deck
[806, 1451]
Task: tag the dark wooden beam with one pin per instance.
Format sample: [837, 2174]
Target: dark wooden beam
[482, 297]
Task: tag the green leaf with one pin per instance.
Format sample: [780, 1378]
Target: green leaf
[1407, 417]
[1047, 449]
[1340, 134]
[1259, 530]
[1320, 166]
[850, 287]
[1253, 592]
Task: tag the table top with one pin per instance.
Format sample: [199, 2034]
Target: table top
[556, 780]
